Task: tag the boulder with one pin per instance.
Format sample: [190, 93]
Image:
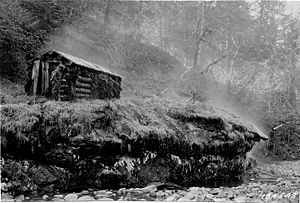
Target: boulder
[6, 197]
[105, 199]
[86, 198]
[20, 198]
[71, 197]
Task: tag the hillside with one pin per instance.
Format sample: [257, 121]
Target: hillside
[146, 69]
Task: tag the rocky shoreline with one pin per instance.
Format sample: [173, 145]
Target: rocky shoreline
[272, 191]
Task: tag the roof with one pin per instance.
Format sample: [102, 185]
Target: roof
[82, 62]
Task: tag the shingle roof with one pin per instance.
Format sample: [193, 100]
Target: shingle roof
[84, 63]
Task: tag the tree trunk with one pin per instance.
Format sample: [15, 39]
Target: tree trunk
[160, 30]
[292, 91]
[198, 44]
[229, 61]
[106, 14]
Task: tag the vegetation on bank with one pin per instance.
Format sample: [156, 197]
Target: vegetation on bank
[284, 143]
[102, 136]
[98, 120]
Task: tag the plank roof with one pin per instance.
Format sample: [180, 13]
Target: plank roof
[81, 62]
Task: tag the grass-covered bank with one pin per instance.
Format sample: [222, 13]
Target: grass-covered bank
[96, 143]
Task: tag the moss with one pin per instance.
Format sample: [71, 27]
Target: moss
[88, 137]
[156, 121]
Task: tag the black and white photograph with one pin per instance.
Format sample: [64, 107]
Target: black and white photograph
[146, 100]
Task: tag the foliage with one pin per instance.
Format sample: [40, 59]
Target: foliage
[16, 173]
[15, 38]
[25, 27]
[284, 137]
[147, 43]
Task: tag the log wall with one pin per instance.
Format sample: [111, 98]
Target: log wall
[78, 83]
[69, 81]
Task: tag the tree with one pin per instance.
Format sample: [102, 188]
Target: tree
[26, 25]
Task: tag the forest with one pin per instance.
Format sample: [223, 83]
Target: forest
[248, 51]
[239, 56]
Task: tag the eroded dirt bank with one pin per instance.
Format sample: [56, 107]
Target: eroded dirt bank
[127, 143]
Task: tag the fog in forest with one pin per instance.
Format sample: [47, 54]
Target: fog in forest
[150, 100]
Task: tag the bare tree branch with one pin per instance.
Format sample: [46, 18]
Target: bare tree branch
[213, 63]
[202, 17]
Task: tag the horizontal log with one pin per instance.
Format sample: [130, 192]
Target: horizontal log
[64, 86]
[82, 85]
[83, 95]
[63, 96]
[84, 79]
[82, 90]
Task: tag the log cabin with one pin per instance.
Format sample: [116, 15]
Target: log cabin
[64, 77]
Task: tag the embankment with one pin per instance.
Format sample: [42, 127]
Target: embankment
[125, 143]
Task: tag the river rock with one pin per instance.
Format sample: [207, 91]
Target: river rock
[7, 198]
[255, 190]
[58, 196]
[121, 191]
[222, 194]
[45, 197]
[57, 200]
[169, 192]
[219, 200]
[152, 194]
[42, 175]
[84, 192]
[104, 194]
[3, 187]
[173, 197]
[100, 196]
[127, 199]
[20, 198]
[150, 188]
[272, 188]
[209, 196]
[110, 194]
[194, 191]
[240, 199]
[105, 199]
[86, 198]
[100, 192]
[214, 191]
[200, 198]
[71, 197]
[230, 195]
[182, 192]
[256, 185]
[137, 192]
[184, 199]
[161, 195]
[191, 195]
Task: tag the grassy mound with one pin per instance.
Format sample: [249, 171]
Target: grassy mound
[125, 120]
[125, 140]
